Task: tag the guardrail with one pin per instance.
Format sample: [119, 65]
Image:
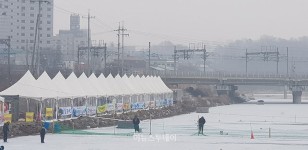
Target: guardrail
[220, 75]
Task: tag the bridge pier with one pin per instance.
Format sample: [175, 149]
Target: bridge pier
[297, 91]
[285, 92]
[226, 89]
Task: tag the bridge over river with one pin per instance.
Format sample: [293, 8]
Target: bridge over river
[227, 82]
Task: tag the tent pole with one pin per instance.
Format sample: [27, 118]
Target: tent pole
[57, 108]
[72, 106]
[122, 104]
[27, 104]
[96, 105]
[41, 105]
[3, 108]
[86, 105]
[130, 102]
[149, 99]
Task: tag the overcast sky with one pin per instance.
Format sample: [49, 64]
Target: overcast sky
[188, 21]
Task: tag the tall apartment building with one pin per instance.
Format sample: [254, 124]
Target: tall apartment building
[18, 20]
[68, 41]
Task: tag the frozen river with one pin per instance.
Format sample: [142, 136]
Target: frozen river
[274, 126]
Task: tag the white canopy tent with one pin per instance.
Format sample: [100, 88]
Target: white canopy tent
[59, 87]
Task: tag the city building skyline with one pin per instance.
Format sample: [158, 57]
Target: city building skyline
[18, 21]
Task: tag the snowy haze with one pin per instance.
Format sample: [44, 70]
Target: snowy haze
[186, 21]
[288, 124]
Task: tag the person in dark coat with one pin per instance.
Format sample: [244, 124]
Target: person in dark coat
[5, 130]
[201, 123]
[2, 147]
[136, 122]
[42, 134]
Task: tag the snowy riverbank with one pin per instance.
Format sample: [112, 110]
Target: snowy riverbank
[288, 124]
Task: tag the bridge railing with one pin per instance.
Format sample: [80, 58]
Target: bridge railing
[226, 75]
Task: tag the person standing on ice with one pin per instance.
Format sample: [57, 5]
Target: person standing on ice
[201, 123]
[42, 134]
[136, 122]
[5, 130]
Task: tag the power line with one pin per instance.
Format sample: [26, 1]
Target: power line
[67, 11]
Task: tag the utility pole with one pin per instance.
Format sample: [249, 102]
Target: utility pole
[9, 58]
[287, 62]
[105, 57]
[119, 32]
[246, 61]
[149, 69]
[89, 40]
[175, 57]
[36, 47]
[123, 35]
[277, 60]
[204, 58]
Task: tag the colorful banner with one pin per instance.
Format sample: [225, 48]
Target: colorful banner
[126, 106]
[91, 110]
[138, 105]
[165, 102]
[64, 111]
[110, 107]
[151, 104]
[7, 107]
[29, 116]
[157, 103]
[102, 109]
[7, 117]
[170, 102]
[79, 111]
[120, 106]
[49, 112]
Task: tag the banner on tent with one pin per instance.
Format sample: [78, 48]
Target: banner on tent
[29, 116]
[49, 112]
[120, 106]
[138, 105]
[7, 117]
[170, 102]
[152, 104]
[79, 111]
[158, 103]
[91, 110]
[110, 107]
[64, 111]
[126, 106]
[7, 107]
[102, 109]
[165, 102]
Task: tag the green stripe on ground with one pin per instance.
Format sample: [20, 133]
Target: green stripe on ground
[81, 132]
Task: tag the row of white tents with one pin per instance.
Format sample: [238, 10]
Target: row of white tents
[58, 87]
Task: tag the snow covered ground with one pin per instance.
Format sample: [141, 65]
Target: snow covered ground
[288, 124]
